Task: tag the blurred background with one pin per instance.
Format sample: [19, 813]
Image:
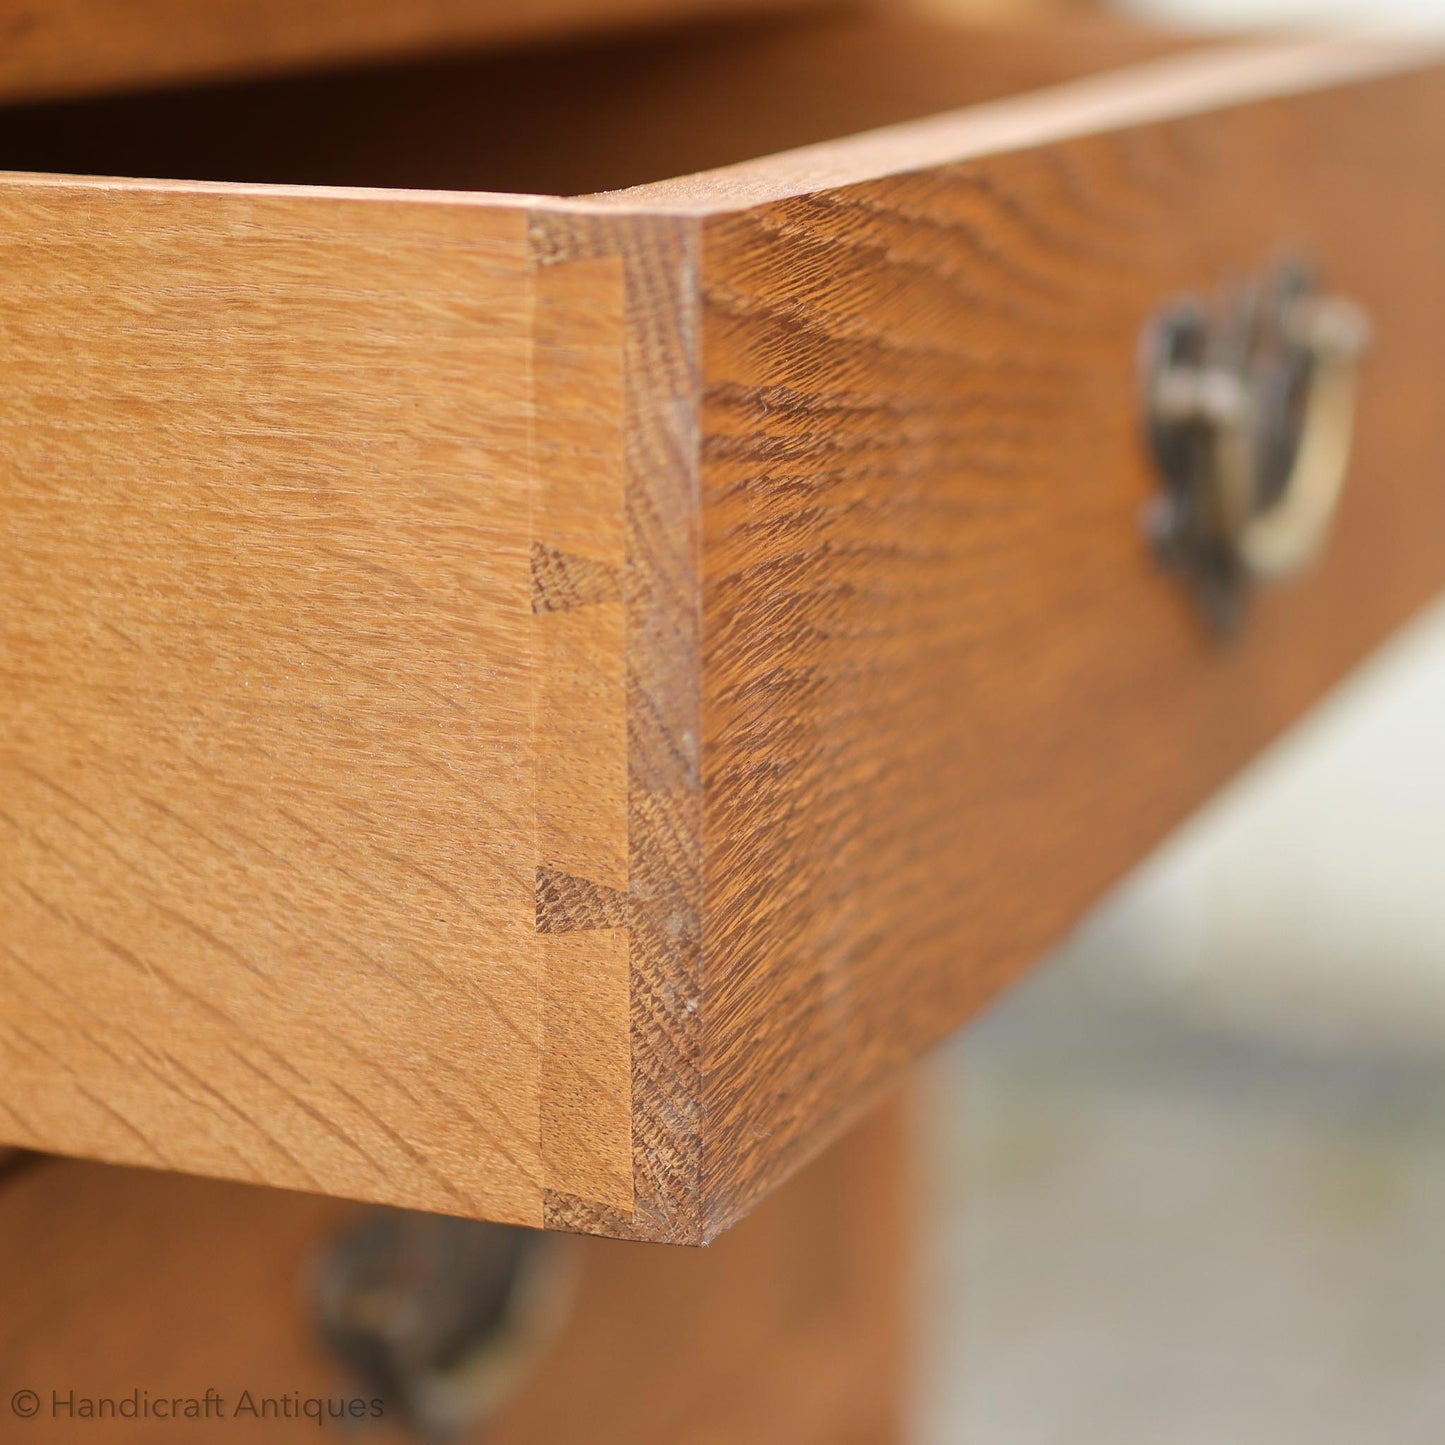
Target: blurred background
[1247, 14]
[1189, 1180]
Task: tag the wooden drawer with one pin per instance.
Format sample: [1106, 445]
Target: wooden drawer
[539, 708]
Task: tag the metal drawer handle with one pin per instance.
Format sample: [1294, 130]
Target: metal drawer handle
[1250, 407]
[443, 1320]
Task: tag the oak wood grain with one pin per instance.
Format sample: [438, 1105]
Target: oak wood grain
[54, 48]
[949, 697]
[542, 708]
[268, 769]
[661, 904]
[580, 727]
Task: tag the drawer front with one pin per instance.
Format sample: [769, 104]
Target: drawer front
[539, 708]
[950, 694]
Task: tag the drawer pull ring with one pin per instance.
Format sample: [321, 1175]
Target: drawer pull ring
[442, 1320]
[1250, 408]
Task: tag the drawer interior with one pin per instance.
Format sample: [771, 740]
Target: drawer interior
[567, 120]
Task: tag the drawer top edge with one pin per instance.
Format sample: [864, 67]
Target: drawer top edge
[1195, 81]
[1198, 80]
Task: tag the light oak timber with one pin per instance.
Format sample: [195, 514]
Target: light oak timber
[580, 729]
[542, 708]
[266, 648]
